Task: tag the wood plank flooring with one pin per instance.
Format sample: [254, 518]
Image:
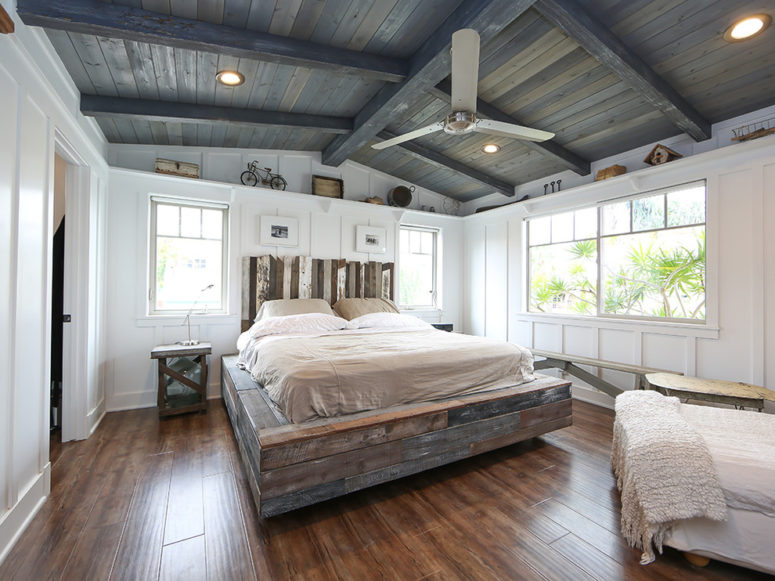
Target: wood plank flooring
[147, 499]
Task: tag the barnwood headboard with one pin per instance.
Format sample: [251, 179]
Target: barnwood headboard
[265, 278]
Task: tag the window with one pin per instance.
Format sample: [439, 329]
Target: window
[418, 248]
[188, 256]
[639, 257]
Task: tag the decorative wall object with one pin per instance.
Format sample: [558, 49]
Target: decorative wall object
[177, 168]
[610, 172]
[400, 196]
[328, 187]
[754, 130]
[265, 278]
[370, 239]
[661, 154]
[255, 175]
[278, 231]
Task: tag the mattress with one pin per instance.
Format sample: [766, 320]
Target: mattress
[348, 371]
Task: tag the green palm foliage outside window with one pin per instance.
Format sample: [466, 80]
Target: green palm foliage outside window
[640, 257]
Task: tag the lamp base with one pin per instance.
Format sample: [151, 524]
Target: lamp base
[188, 342]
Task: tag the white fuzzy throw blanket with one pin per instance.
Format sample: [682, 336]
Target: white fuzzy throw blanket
[663, 469]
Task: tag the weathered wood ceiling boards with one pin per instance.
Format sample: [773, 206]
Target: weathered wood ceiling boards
[339, 75]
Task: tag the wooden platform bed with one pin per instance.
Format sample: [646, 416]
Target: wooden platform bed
[294, 465]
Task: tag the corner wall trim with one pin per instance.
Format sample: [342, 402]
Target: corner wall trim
[15, 521]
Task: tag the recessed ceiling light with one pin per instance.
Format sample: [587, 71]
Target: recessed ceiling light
[230, 78]
[747, 27]
[491, 148]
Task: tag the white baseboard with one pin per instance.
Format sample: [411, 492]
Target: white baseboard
[13, 522]
[95, 416]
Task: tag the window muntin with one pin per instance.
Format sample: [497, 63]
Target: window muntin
[418, 266]
[648, 260]
[187, 254]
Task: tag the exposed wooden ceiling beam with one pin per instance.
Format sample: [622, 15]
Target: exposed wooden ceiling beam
[439, 159]
[547, 148]
[96, 106]
[428, 66]
[602, 44]
[117, 21]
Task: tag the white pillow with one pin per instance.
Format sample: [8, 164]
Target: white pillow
[281, 307]
[304, 324]
[387, 321]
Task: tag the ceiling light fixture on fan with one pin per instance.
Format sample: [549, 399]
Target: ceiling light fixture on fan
[463, 119]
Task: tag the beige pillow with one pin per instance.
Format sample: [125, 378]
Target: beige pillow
[282, 307]
[353, 308]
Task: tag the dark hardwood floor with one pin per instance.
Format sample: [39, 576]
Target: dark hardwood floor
[145, 499]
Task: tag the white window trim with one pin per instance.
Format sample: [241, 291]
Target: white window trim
[151, 311]
[435, 306]
[709, 323]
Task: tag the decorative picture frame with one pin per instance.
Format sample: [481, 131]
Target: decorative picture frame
[328, 187]
[278, 231]
[370, 239]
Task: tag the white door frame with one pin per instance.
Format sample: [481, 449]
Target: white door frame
[75, 338]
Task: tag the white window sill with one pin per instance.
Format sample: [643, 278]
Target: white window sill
[196, 319]
[669, 327]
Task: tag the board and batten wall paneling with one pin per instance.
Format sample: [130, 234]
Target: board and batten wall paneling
[326, 231]
[736, 343]
[37, 100]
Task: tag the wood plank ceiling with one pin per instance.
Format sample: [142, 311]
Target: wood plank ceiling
[339, 75]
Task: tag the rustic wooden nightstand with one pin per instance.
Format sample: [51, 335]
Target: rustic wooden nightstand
[182, 377]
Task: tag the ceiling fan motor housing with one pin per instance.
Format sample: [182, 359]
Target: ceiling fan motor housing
[460, 123]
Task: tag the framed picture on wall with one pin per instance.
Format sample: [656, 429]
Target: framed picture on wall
[370, 239]
[278, 231]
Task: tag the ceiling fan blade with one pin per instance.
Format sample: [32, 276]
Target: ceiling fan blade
[465, 70]
[509, 130]
[411, 135]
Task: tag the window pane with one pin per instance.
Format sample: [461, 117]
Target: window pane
[648, 213]
[616, 218]
[540, 230]
[563, 278]
[190, 222]
[167, 220]
[212, 224]
[184, 267]
[586, 223]
[655, 274]
[686, 207]
[417, 267]
[562, 227]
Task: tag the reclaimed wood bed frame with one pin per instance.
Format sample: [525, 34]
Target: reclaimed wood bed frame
[290, 466]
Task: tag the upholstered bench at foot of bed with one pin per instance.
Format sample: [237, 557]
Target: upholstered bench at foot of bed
[294, 465]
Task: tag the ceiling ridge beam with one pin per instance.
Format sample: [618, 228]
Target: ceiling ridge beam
[548, 148]
[427, 67]
[604, 46]
[136, 24]
[169, 111]
[439, 159]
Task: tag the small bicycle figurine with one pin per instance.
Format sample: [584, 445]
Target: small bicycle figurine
[254, 174]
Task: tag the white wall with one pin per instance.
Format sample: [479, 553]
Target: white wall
[738, 341]
[39, 106]
[326, 230]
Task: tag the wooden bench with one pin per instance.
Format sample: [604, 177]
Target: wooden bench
[570, 364]
[736, 393]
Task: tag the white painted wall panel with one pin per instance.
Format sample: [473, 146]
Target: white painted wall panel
[769, 275]
[496, 290]
[547, 337]
[31, 333]
[9, 97]
[664, 351]
[581, 341]
[476, 257]
[617, 345]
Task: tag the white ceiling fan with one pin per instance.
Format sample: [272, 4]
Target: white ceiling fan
[463, 119]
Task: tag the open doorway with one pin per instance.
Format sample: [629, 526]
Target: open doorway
[57, 299]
